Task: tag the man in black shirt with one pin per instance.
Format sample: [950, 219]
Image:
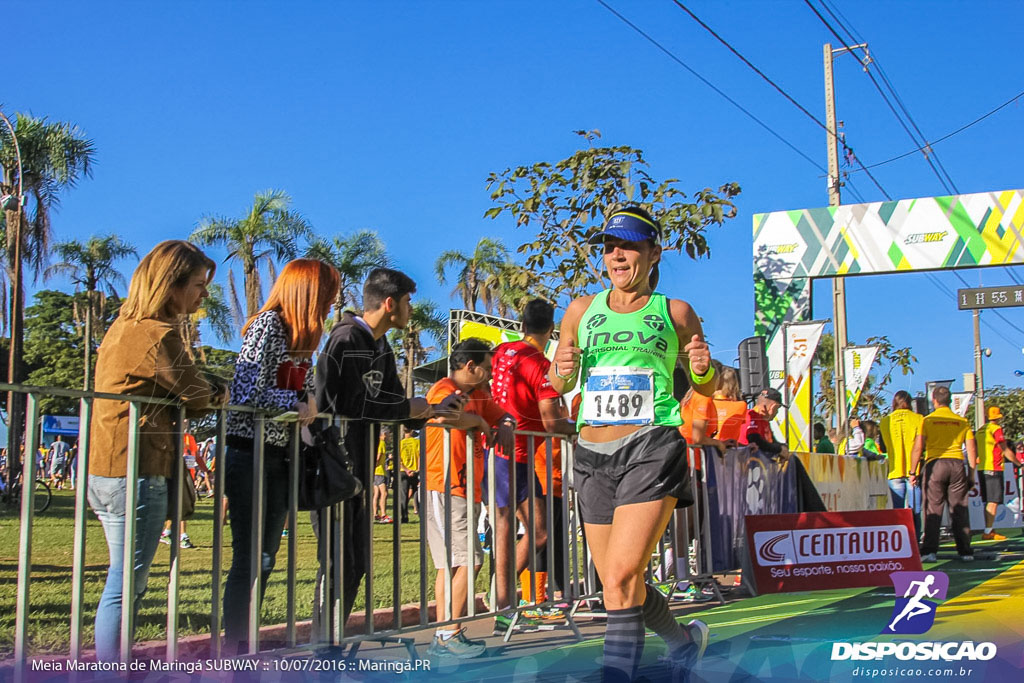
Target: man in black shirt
[356, 378]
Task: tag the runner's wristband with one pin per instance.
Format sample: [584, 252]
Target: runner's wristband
[705, 378]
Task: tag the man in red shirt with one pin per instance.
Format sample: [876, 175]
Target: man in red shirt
[757, 430]
[520, 385]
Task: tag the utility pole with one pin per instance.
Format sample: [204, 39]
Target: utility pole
[979, 381]
[838, 283]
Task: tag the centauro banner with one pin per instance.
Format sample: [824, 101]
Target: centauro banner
[857, 361]
[790, 248]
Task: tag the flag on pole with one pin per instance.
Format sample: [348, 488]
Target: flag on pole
[857, 361]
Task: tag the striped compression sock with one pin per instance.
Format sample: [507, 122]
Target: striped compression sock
[660, 620]
[623, 644]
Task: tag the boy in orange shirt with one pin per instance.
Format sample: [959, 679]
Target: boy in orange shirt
[470, 363]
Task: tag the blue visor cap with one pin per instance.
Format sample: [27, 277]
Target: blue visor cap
[629, 227]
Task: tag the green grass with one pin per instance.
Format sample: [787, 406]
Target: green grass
[50, 592]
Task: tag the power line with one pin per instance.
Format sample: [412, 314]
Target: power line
[946, 180]
[711, 85]
[949, 135]
[885, 97]
[779, 88]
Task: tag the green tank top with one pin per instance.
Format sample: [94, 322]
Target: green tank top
[642, 347]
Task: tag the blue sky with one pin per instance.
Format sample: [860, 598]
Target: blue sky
[390, 115]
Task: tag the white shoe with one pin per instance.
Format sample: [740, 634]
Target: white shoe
[930, 557]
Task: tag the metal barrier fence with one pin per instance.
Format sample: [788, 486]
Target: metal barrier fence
[581, 589]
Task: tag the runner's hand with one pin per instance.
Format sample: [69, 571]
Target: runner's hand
[699, 354]
[567, 361]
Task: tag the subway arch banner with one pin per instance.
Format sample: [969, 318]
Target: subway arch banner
[828, 550]
[792, 248]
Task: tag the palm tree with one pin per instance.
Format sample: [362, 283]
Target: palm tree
[46, 158]
[353, 256]
[217, 314]
[508, 290]
[487, 259]
[268, 231]
[91, 267]
[425, 318]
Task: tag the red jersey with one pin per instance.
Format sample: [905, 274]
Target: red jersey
[756, 424]
[519, 382]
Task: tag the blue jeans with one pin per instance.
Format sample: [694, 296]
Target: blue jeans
[898, 491]
[238, 485]
[106, 497]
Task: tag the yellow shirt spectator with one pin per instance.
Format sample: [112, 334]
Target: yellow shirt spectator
[409, 452]
[899, 429]
[382, 450]
[944, 433]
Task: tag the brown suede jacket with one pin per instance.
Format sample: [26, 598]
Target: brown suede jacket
[143, 358]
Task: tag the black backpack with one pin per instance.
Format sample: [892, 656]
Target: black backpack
[325, 471]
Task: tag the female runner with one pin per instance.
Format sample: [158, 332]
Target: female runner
[631, 469]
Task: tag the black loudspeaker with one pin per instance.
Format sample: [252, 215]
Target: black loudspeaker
[920, 404]
[753, 366]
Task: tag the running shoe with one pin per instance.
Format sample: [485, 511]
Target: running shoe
[700, 633]
[186, 542]
[386, 520]
[284, 533]
[993, 536]
[458, 646]
[930, 557]
[695, 594]
[165, 537]
[503, 621]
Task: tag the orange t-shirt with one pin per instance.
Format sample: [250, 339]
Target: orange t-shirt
[480, 403]
[698, 407]
[731, 416]
[540, 465]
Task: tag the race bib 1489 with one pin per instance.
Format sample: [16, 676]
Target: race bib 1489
[619, 396]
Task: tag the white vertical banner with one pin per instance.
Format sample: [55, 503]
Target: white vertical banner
[857, 361]
[961, 401]
[800, 342]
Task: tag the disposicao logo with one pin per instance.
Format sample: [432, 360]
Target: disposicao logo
[914, 613]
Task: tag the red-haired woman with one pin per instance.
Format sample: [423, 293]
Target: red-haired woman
[271, 373]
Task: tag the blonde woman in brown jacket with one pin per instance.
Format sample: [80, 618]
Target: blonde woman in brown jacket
[143, 354]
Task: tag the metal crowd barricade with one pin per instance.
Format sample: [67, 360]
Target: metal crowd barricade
[575, 576]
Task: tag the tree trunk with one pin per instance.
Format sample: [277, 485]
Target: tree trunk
[339, 306]
[252, 289]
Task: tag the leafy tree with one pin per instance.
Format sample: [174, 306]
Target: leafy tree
[488, 258]
[874, 401]
[1010, 401]
[354, 256]
[425, 319]
[509, 289]
[268, 231]
[567, 202]
[54, 344]
[90, 266]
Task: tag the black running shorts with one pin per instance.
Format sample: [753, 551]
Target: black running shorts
[647, 465]
[991, 484]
